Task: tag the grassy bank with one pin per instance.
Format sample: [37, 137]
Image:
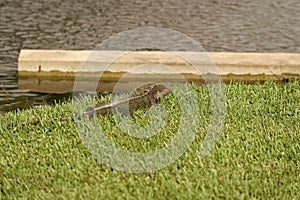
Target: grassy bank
[257, 155]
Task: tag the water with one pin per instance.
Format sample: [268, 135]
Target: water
[247, 26]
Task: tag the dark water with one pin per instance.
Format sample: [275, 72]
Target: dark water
[248, 26]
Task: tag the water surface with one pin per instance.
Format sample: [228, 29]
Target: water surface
[237, 26]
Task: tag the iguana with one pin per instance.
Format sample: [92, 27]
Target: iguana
[143, 97]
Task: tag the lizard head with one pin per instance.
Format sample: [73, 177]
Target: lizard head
[160, 91]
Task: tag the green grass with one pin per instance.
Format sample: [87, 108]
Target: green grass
[256, 157]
